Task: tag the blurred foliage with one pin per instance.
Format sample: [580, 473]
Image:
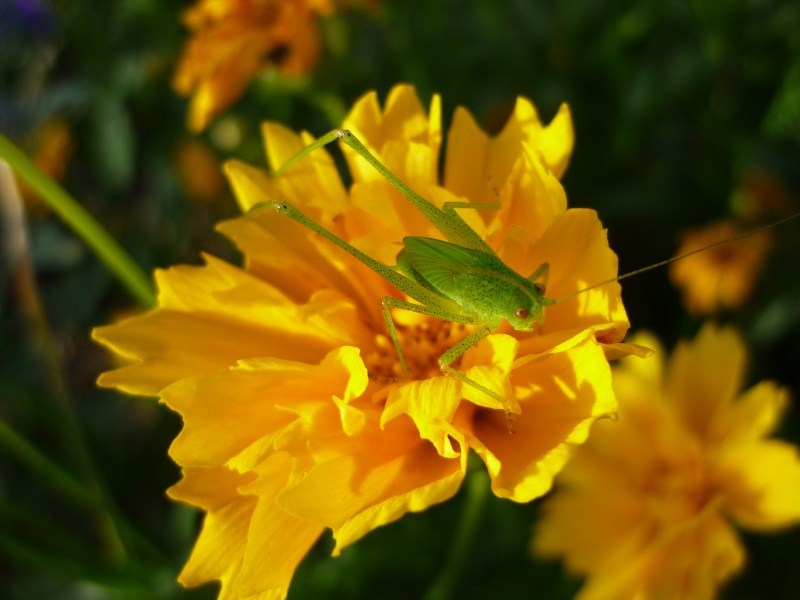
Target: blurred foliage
[675, 104]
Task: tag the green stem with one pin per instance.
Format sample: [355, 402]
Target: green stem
[477, 491]
[50, 473]
[23, 283]
[130, 583]
[96, 237]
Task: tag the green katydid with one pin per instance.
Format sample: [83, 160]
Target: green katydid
[461, 280]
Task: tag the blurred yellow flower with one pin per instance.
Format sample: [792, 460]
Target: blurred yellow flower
[198, 171]
[643, 509]
[233, 40]
[721, 278]
[52, 147]
[296, 417]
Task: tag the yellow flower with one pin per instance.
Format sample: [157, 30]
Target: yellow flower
[720, 278]
[643, 509]
[198, 171]
[233, 40]
[296, 417]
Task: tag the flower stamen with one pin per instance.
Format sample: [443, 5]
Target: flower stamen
[421, 343]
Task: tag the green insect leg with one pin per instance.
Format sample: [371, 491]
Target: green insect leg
[436, 312]
[448, 222]
[541, 273]
[446, 359]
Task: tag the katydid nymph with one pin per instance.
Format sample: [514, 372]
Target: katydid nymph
[461, 280]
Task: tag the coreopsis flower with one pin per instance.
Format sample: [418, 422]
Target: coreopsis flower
[297, 416]
[720, 278]
[233, 40]
[647, 507]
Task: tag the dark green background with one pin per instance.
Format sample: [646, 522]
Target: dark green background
[673, 102]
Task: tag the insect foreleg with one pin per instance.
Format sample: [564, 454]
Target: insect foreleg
[319, 143]
[446, 359]
[540, 273]
[437, 312]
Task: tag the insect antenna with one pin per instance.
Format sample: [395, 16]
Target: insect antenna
[677, 258]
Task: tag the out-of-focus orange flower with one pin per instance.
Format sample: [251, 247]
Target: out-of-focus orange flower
[297, 417]
[720, 278]
[232, 40]
[643, 509]
[759, 195]
[52, 147]
[198, 171]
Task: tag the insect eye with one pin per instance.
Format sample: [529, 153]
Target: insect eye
[539, 288]
[521, 312]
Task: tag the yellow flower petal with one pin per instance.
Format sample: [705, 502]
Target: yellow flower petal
[560, 395]
[209, 318]
[302, 264]
[219, 550]
[532, 199]
[209, 488]
[478, 165]
[489, 364]
[705, 376]
[642, 509]
[755, 414]
[649, 372]
[761, 482]
[378, 479]
[275, 538]
[249, 419]
[238, 505]
[572, 528]
[403, 137]
[314, 183]
[690, 564]
[431, 403]
[555, 141]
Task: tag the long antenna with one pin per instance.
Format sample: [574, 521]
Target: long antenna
[676, 258]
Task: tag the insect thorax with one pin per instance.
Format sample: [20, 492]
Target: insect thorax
[495, 291]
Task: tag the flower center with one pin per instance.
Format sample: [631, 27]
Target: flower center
[421, 343]
[677, 491]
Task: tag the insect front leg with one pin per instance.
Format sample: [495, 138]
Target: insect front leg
[387, 317]
[436, 312]
[541, 273]
[446, 359]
